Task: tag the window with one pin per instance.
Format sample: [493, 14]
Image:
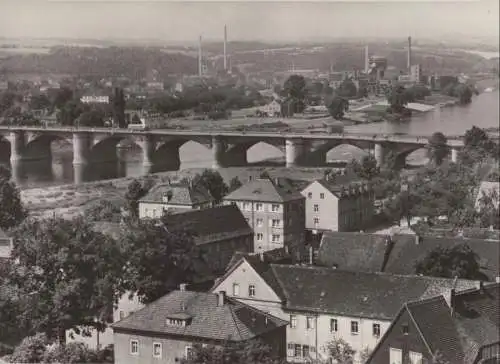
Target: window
[260, 237]
[316, 221]
[259, 207]
[305, 351]
[406, 329]
[157, 350]
[246, 206]
[275, 238]
[297, 350]
[334, 325]
[122, 315]
[395, 356]
[293, 321]
[322, 196]
[275, 208]
[354, 327]
[316, 208]
[309, 195]
[236, 289]
[290, 349]
[276, 223]
[260, 222]
[188, 352]
[415, 358]
[134, 347]
[310, 322]
[251, 290]
[376, 330]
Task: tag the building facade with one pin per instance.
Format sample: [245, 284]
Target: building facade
[332, 207]
[274, 210]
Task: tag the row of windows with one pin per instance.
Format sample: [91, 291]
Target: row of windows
[275, 238]
[396, 357]
[299, 351]
[251, 290]
[334, 327]
[321, 195]
[259, 206]
[275, 223]
[157, 348]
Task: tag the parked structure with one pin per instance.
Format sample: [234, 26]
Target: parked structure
[274, 210]
[333, 206]
[173, 198]
[166, 330]
[458, 327]
[322, 304]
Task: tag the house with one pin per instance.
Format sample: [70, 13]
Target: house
[95, 97]
[271, 109]
[488, 189]
[174, 197]
[166, 330]
[397, 253]
[337, 206]
[322, 304]
[275, 211]
[6, 245]
[459, 327]
[219, 232]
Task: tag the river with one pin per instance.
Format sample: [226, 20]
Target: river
[482, 112]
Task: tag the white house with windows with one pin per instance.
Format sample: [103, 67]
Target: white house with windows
[322, 304]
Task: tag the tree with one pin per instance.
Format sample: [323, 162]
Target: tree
[464, 93]
[437, 148]
[213, 182]
[337, 107]
[69, 274]
[134, 193]
[72, 353]
[62, 97]
[70, 111]
[367, 169]
[160, 257]
[458, 261]
[340, 351]
[12, 211]
[403, 205]
[234, 184]
[103, 210]
[31, 350]
[91, 118]
[39, 102]
[397, 98]
[295, 87]
[347, 89]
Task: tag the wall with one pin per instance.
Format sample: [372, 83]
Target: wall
[153, 210]
[219, 253]
[328, 208]
[396, 339]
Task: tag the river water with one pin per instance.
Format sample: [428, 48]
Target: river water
[482, 112]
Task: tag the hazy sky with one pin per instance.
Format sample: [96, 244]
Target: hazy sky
[184, 21]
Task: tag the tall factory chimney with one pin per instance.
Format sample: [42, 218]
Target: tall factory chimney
[225, 48]
[367, 60]
[409, 55]
[200, 61]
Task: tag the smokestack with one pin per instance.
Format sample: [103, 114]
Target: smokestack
[367, 61]
[225, 48]
[409, 55]
[200, 68]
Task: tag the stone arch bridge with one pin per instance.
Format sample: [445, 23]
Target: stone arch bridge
[228, 148]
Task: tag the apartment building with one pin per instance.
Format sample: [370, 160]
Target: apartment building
[332, 206]
[166, 330]
[275, 210]
[174, 197]
[323, 304]
[458, 327]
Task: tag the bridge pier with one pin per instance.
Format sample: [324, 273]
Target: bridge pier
[81, 148]
[379, 153]
[294, 152]
[148, 146]
[218, 152]
[17, 145]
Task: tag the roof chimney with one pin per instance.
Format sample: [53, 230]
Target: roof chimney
[182, 287]
[261, 256]
[221, 298]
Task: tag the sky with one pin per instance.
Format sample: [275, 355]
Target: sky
[176, 21]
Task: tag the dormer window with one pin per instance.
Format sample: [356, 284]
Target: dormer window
[176, 322]
[182, 319]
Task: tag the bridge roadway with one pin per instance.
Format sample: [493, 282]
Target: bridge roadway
[229, 148]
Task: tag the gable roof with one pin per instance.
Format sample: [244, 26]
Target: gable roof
[458, 337]
[211, 224]
[182, 194]
[265, 190]
[406, 252]
[355, 294]
[233, 321]
[357, 251]
[343, 182]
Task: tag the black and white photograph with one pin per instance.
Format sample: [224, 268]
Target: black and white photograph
[249, 182]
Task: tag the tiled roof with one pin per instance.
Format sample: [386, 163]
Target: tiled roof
[405, 254]
[212, 224]
[232, 321]
[356, 251]
[475, 322]
[278, 255]
[182, 194]
[265, 190]
[347, 183]
[356, 294]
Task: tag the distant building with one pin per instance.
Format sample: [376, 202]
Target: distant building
[459, 327]
[416, 73]
[155, 86]
[332, 206]
[174, 197]
[95, 98]
[6, 245]
[274, 209]
[272, 109]
[324, 303]
[166, 330]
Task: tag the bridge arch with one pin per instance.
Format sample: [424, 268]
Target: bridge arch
[254, 151]
[416, 155]
[339, 150]
[170, 154]
[106, 148]
[39, 146]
